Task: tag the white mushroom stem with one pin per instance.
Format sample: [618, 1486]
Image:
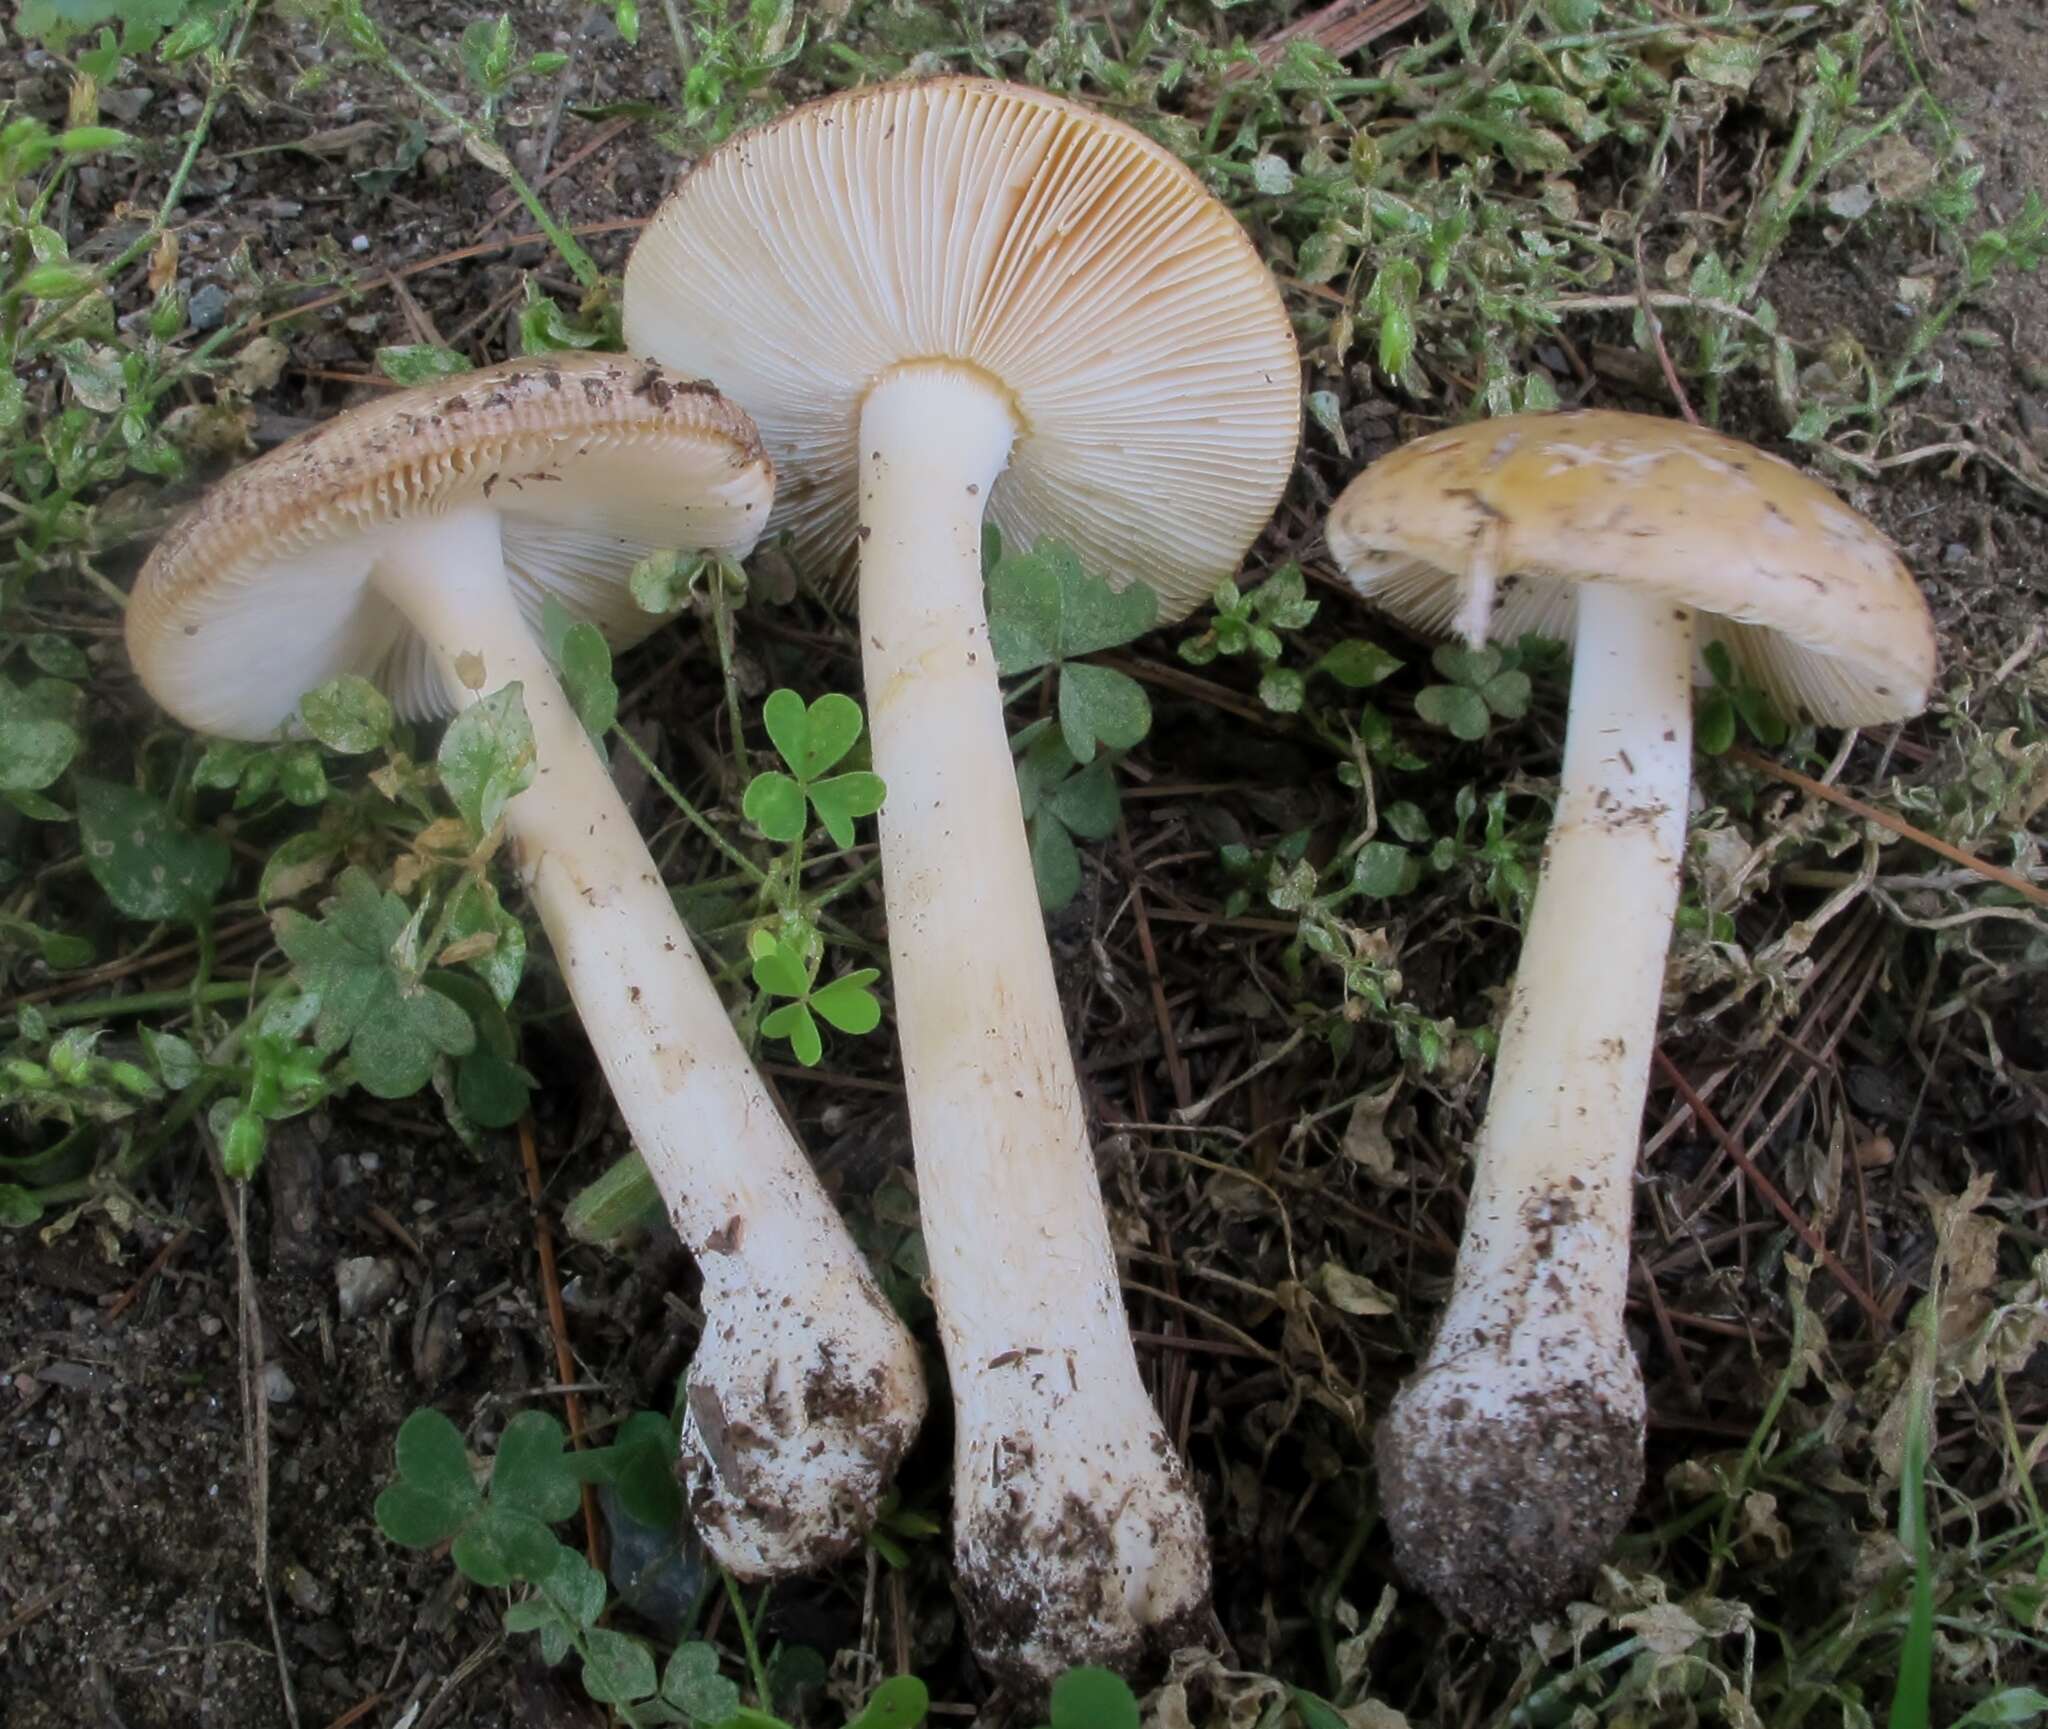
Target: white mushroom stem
[1075, 1536]
[806, 1388]
[1513, 1457]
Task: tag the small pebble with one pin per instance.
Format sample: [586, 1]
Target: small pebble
[209, 306]
[277, 1385]
[307, 1590]
[361, 243]
[363, 1283]
[210, 1326]
[127, 105]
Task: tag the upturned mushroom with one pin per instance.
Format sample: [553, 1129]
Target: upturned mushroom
[942, 301]
[1513, 1457]
[412, 542]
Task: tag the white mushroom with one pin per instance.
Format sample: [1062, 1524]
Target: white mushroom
[938, 301]
[412, 542]
[1512, 1459]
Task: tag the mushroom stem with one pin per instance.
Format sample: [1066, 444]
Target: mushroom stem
[806, 1388]
[1076, 1538]
[1513, 1457]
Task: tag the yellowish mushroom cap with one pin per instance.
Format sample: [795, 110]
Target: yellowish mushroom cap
[1812, 601]
[262, 592]
[1061, 255]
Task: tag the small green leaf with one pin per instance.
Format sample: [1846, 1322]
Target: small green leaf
[500, 1547]
[1044, 608]
[349, 963]
[1458, 709]
[531, 1475]
[1407, 821]
[1054, 863]
[1507, 694]
[573, 1586]
[36, 746]
[58, 656]
[899, 1703]
[347, 714]
[1761, 716]
[1024, 613]
[94, 374]
[848, 1004]
[693, 1685]
[1714, 723]
[177, 1063]
[477, 911]
[1467, 666]
[487, 758]
[435, 1494]
[1728, 62]
[301, 861]
[19, 1207]
[1383, 870]
[1093, 1698]
[774, 804]
[1094, 616]
[1282, 689]
[1359, 665]
[660, 582]
[641, 1465]
[843, 799]
[151, 865]
[1099, 703]
[2007, 1705]
[778, 969]
[584, 660]
[811, 740]
[1087, 802]
[793, 1022]
[491, 1092]
[535, 1615]
[1316, 1713]
[420, 363]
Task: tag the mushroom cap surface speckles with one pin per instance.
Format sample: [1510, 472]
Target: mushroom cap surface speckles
[262, 591]
[1812, 601]
[1075, 264]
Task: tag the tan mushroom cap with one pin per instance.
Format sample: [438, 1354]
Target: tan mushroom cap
[1067, 258]
[1812, 601]
[262, 592]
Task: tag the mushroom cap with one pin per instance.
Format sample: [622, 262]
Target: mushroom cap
[1811, 600]
[1078, 266]
[262, 591]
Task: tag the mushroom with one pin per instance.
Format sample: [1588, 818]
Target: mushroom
[940, 301]
[1512, 1458]
[412, 542]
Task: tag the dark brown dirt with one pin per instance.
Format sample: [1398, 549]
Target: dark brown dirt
[1501, 1522]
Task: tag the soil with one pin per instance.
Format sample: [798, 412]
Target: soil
[128, 1592]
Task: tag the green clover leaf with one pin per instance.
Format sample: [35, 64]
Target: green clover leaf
[811, 741]
[846, 1003]
[1044, 610]
[436, 1494]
